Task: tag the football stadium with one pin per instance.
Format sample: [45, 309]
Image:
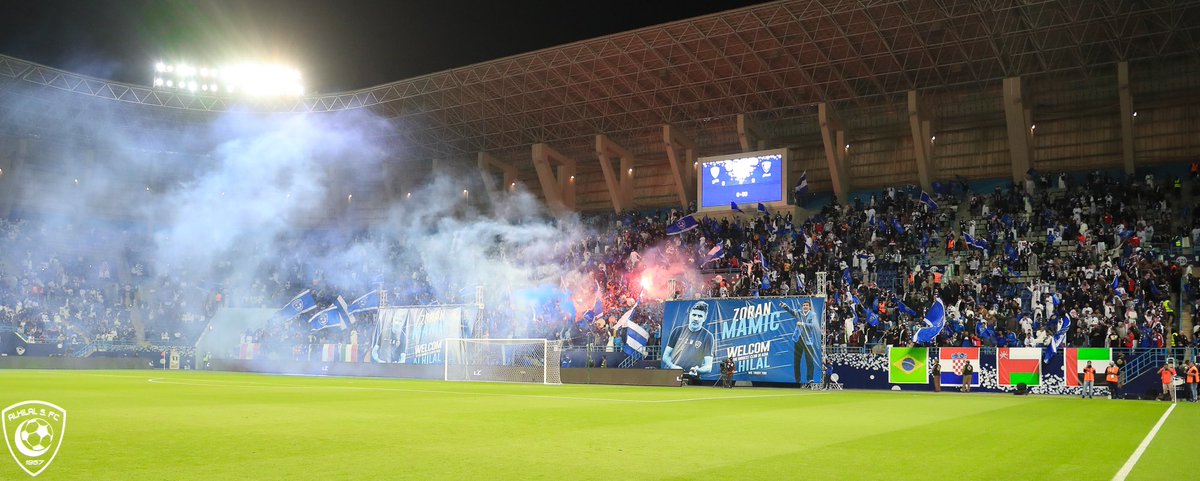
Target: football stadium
[813, 239]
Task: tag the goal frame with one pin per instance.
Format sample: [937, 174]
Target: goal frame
[547, 347]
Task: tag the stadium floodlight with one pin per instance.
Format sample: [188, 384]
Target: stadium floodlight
[247, 78]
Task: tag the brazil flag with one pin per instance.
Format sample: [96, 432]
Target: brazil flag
[908, 365]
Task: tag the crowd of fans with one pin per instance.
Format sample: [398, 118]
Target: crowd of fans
[53, 289]
[1009, 264]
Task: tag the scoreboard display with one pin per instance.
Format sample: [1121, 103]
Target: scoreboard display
[746, 178]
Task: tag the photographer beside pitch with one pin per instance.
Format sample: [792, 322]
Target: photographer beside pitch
[727, 370]
[691, 347]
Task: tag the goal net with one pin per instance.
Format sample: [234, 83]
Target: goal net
[503, 360]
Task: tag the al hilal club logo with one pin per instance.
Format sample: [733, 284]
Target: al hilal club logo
[34, 431]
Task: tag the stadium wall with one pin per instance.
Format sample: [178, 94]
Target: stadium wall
[629, 377]
[37, 362]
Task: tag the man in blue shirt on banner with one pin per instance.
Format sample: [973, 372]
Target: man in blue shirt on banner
[807, 337]
[691, 347]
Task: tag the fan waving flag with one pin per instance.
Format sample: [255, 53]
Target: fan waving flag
[597, 310]
[715, 253]
[976, 243]
[635, 339]
[300, 304]
[1118, 291]
[935, 320]
[952, 361]
[872, 317]
[334, 316]
[735, 208]
[367, 302]
[1060, 335]
[682, 225]
[762, 260]
[802, 187]
[762, 208]
[928, 201]
[904, 309]
[1018, 365]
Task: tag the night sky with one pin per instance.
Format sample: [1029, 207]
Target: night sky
[338, 45]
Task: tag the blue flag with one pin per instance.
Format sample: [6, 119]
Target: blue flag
[935, 320]
[733, 205]
[682, 225]
[802, 187]
[300, 304]
[928, 201]
[762, 260]
[334, 316]
[973, 242]
[904, 309]
[846, 277]
[636, 336]
[367, 302]
[715, 253]
[762, 208]
[635, 340]
[1059, 337]
[898, 225]
[872, 317]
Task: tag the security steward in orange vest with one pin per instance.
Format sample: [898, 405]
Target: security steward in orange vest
[1112, 375]
[1089, 380]
[1193, 378]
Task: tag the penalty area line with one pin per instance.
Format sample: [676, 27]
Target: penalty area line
[1137, 453]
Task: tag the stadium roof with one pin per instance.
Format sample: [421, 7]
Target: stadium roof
[773, 61]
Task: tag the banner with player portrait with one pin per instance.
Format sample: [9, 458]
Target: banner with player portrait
[414, 335]
[769, 340]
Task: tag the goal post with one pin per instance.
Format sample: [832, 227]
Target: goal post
[503, 360]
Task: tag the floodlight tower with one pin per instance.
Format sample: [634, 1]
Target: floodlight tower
[249, 79]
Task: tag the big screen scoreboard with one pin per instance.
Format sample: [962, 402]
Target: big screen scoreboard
[745, 178]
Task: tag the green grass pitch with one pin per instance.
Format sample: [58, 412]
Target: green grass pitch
[148, 425]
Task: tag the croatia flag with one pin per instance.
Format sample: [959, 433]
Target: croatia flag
[1019, 365]
[952, 361]
[1075, 359]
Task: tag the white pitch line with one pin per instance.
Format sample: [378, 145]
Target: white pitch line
[217, 383]
[1137, 453]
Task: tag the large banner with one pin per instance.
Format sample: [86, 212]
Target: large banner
[414, 335]
[952, 360]
[769, 340]
[1019, 365]
[908, 365]
[1075, 359]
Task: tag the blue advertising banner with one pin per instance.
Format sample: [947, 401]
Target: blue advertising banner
[769, 340]
[414, 335]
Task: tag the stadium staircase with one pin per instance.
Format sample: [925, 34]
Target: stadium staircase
[135, 310]
[1148, 361]
[86, 350]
